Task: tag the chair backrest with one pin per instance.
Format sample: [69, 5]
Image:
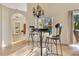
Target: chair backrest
[31, 28]
[58, 29]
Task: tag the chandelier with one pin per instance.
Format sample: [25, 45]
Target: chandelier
[38, 11]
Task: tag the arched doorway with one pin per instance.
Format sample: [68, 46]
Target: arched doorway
[18, 27]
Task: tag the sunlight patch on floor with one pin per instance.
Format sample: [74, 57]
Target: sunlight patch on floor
[74, 46]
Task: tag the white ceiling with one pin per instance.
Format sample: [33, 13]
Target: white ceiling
[19, 6]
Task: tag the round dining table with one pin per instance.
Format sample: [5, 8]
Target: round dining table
[41, 30]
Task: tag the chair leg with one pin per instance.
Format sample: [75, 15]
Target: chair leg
[37, 40]
[51, 45]
[56, 48]
[28, 38]
[61, 47]
[46, 46]
[32, 41]
[37, 43]
[45, 42]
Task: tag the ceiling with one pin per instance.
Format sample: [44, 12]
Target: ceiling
[19, 6]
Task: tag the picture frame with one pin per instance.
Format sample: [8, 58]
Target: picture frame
[17, 27]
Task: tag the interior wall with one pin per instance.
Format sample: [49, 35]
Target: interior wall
[59, 12]
[6, 23]
[6, 26]
[0, 28]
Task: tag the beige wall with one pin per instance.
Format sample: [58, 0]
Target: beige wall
[0, 28]
[60, 14]
[5, 26]
[5, 19]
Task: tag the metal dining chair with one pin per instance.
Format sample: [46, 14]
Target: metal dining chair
[55, 40]
[32, 34]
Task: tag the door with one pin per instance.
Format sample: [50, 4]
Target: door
[74, 26]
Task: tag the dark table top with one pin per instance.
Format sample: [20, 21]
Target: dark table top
[41, 29]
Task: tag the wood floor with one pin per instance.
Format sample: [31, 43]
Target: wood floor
[25, 49]
[13, 48]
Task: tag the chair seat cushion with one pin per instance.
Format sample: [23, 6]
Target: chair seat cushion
[53, 37]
